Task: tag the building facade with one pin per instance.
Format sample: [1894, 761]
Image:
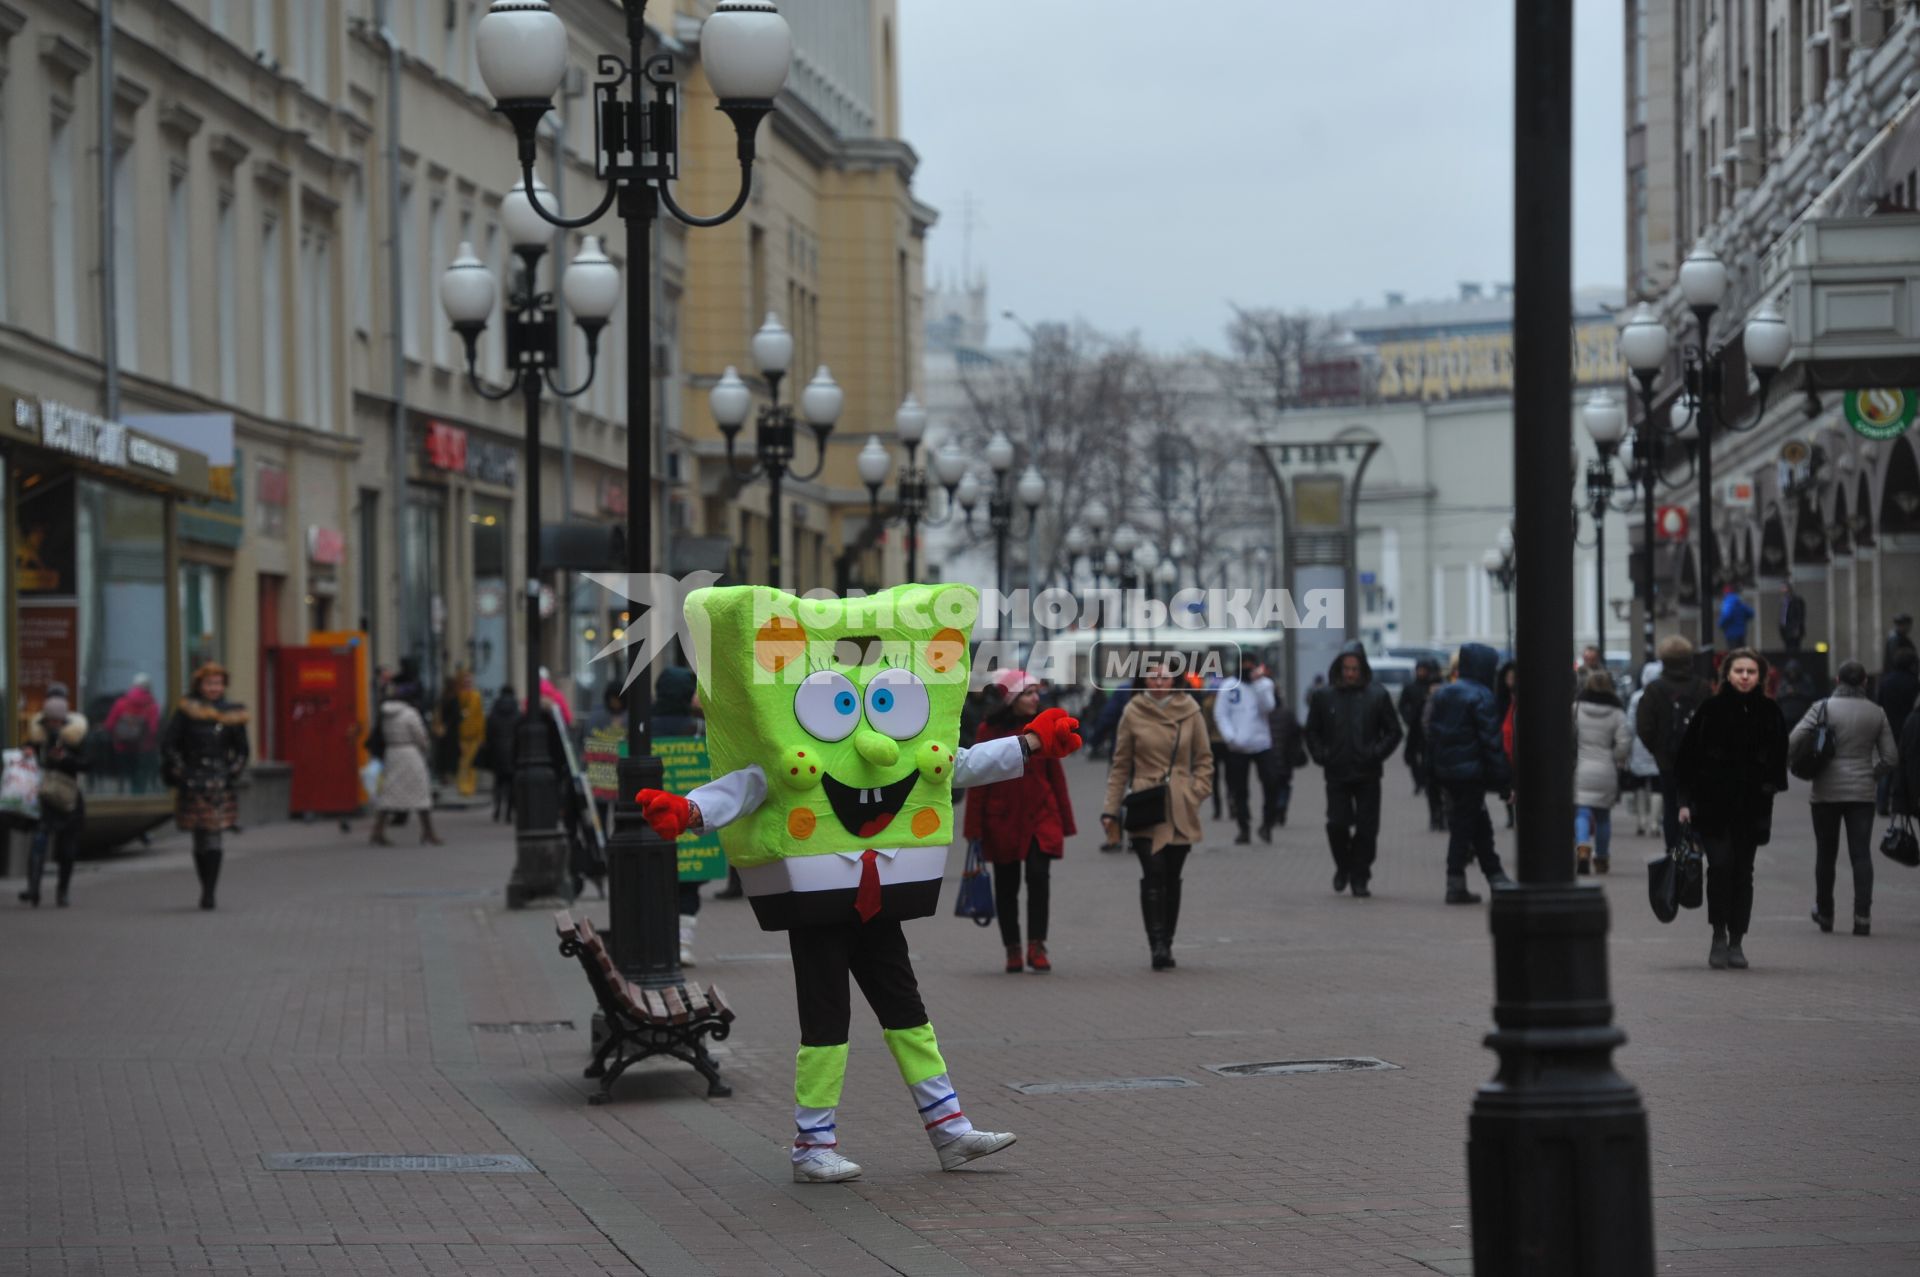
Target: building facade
[1785, 136]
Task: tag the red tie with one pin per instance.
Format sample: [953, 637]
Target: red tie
[866, 902]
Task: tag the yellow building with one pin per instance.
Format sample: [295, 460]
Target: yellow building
[833, 242]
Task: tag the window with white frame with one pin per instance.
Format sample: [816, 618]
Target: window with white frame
[273, 389]
[436, 267]
[410, 260]
[179, 281]
[226, 249]
[66, 270]
[126, 267]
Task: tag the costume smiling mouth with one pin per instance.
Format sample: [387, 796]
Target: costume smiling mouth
[866, 812]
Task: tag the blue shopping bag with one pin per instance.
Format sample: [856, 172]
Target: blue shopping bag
[975, 897]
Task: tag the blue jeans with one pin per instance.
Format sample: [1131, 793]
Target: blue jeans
[1594, 825]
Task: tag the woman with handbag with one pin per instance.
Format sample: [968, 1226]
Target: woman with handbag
[203, 751]
[1730, 764]
[58, 738]
[405, 785]
[1022, 824]
[1856, 740]
[1162, 770]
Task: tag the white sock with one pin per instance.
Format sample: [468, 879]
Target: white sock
[939, 1108]
[813, 1130]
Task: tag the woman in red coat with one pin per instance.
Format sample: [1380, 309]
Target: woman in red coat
[1020, 822]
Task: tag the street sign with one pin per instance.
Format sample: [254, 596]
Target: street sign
[1881, 414]
[1671, 522]
[1737, 495]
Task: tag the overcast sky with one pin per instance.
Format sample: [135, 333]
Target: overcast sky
[1139, 164]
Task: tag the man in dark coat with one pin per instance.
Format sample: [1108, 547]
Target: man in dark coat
[1466, 755]
[1901, 640]
[1899, 689]
[1352, 730]
[1793, 618]
[1661, 724]
[1413, 712]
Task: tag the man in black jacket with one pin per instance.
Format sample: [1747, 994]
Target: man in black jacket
[1466, 755]
[1661, 722]
[1352, 730]
[1899, 688]
[1413, 712]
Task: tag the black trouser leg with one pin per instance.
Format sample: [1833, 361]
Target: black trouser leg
[1340, 826]
[207, 855]
[1220, 754]
[63, 849]
[875, 955]
[1274, 791]
[1039, 893]
[1366, 830]
[689, 899]
[1437, 808]
[1826, 853]
[1730, 883]
[1858, 818]
[37, 862]
[1467, 811]
[1669, 810]
[1006, 901]
[1174, 858]
[1237, 804]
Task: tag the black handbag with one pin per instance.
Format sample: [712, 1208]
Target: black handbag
[1676, 880]
[1144, 809]
[1812, 752]
[1900, 843]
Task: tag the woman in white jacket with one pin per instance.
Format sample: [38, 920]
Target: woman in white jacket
[1602, 740]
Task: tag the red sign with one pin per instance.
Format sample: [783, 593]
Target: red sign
[273, 485]
[325, 546]
[446, 447]
[1671, 522]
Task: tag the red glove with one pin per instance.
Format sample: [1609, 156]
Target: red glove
[669, 814]
[1059, 732]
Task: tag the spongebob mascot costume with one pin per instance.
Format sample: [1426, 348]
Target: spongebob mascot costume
[833, 730]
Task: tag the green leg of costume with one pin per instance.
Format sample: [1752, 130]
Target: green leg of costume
[924, 1071]
[819, 1073]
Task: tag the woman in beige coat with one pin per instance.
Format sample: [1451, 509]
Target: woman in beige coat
[1162, 736]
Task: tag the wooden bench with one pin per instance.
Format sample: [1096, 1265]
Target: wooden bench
[674, 1021]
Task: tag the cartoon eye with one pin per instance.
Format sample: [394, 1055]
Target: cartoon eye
[827, 706]
[897, 704]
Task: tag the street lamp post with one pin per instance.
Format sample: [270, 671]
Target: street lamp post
[1031, 489]
[468, 290]
[1606, 424]
[1646, 345]
[773, 448]
[1503, 569]
[912, 495]
[747, 50]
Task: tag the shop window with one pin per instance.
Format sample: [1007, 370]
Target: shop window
[203, 616]
[424, 617]
[489, 648]
[120, 548]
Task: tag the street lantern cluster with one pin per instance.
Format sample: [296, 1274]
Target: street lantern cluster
[1503, 569]
[911, 500]
[1702, 407]
[731, 401]
[746, 51]
[1606, 423]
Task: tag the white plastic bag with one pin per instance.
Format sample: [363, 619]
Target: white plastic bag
[370, 777]
[20, 784]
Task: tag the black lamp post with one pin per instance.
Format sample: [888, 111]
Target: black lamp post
[1703, 408]
[912, 494]
[746, 49]
[1606, 424]
[1503, 569]
[591, 287]
[773, 449]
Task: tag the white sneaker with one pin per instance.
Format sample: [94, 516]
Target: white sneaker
[825, 1167]
[971, 1147]
[686, 941]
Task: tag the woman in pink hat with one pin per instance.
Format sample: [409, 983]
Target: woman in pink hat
[1025, 821]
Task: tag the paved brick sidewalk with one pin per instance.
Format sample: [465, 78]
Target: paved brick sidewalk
[153, 1054]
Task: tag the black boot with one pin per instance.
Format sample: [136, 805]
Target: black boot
[1244, 837]
[1173, 917]
[36, 866]
[207, 865]
[1340, 841]
[1153, 912]
[1457, 893]
[1717, 951]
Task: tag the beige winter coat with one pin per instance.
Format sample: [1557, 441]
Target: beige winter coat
[404, 782]
[1156, 733]
[1602, 742]
[1863, 746]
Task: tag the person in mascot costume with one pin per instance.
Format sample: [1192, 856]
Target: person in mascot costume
[833, 731]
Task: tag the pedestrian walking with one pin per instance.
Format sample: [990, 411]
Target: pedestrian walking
[1241, 707]
[1793, 618]
[405, 785]
[1413, 714]
[503, 731]
[1864, 752]
[1022, 823]
[1898, 641]
[133, 729]
[1661, 723]
[1796, 692]
[1730, 764]
[1160, 740]
[203, 752]
[1352, 730]
[1466, 761]
[1898, 691]
[1735, 615]
[1289, 754]
[58, 737]
[445, 727]
[1602, 745]
[470, 733]
[1643, 770]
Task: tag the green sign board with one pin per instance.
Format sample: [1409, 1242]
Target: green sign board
[1881, 414]
[683, 759]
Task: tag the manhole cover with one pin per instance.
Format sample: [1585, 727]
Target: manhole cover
[1101, 1084]
[468, 1163]
[527, 1026]
[1273, 1068]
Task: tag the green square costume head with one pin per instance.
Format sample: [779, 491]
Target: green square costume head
[850, 706]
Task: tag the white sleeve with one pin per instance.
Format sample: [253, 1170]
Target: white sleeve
[725, 800]
[1264, 696]
[989, 761]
